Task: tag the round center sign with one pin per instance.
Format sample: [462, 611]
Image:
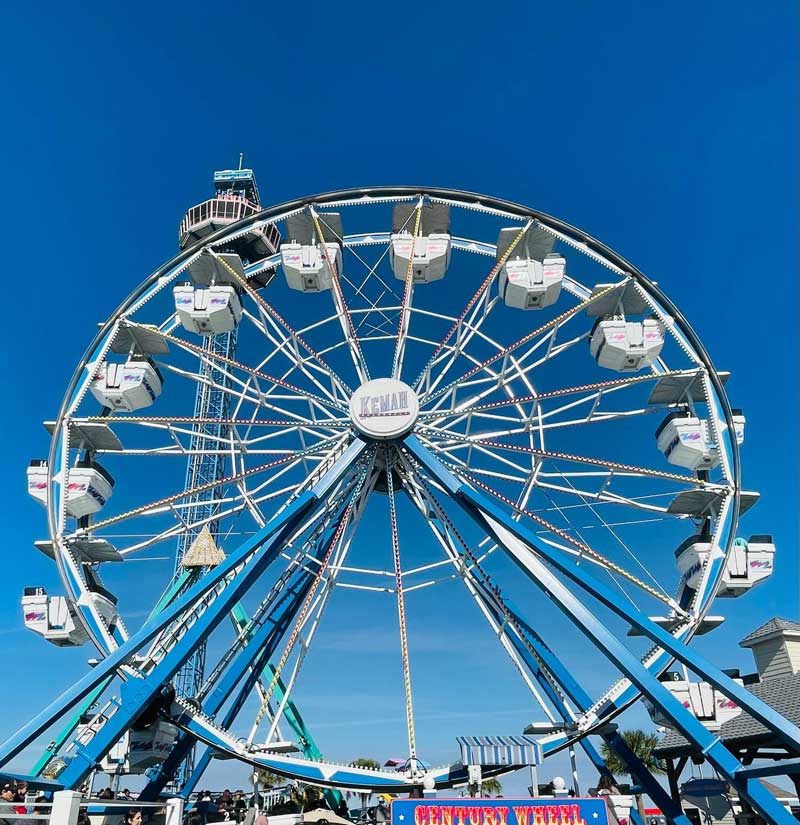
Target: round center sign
[384, 408]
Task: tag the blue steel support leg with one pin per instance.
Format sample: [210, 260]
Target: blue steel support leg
[136, 696]
[261, 645]
[480, 506]
[266, 637]
[518, 541]
[533, 650]
[262, 545]
[673, 811]
[108, 667]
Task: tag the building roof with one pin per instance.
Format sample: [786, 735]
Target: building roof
[776, 625]
[781, 693]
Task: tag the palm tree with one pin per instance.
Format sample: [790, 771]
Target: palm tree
[492, 785]
[642, 744]
[364, 762]
[266, 779]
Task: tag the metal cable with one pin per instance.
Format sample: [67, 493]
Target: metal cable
[401, 613]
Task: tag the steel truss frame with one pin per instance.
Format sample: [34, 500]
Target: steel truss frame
[244, 566]
[456, 403]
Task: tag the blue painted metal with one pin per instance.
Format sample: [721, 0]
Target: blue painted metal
[479, 505]
[253, 657]
[264, 544]
[490, 517]
[582, 701]
[137, 694]
[26, 734]
[266, 639]
[641, 773]
[784, 767]
[325, 774]
[532, 650]
[35, 783]
[44, 760]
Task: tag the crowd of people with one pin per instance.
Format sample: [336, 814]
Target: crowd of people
[13, 800]
[227, 807]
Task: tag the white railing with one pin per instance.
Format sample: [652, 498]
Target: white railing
[66, 807]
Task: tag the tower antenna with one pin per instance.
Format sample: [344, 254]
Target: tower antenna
[241, 158]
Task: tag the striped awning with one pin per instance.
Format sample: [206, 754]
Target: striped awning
[499, 750]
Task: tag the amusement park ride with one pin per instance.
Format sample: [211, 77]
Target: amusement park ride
[552, 418]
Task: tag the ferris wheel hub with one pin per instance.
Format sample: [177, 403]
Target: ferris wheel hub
[384, 408]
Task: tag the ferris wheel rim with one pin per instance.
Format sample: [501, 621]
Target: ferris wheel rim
[461, 198]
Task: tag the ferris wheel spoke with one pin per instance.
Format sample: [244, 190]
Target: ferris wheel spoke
[548, 327]
[229, 506]
[174, 632]
[405, 303]
[157, 506]
[214, 359]
[487, 282]
[271, 315]
[609, 528]
[342, 310]
[511, 368]
[329, 581]
[469, 329]
[613, 466]
[524, 477]
[241, 392]
[287, 583]
[487, 600]
[167, 421]
[401, 612]
[580, 548]
[496, 380]
[308, 601]
[303, 365]
[597, 388]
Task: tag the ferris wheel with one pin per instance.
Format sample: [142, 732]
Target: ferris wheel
[515, 410]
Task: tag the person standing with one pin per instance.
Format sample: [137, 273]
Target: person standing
[7, 805]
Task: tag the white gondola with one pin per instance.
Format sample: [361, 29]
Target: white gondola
[209, 311]
[116, 760]
[127, 387]
[151, 745]
[37, 481]
[429, 252]
[306, 266]
[686, 440]
[532, 275]
[691, 557]
[89, 487]
[53, 617]
[429, 256]
[749, 563]
[706, 704]
[527, 284]
[306, 259]
[626, 346]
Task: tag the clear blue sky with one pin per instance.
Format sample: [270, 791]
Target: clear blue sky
[667, 130]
